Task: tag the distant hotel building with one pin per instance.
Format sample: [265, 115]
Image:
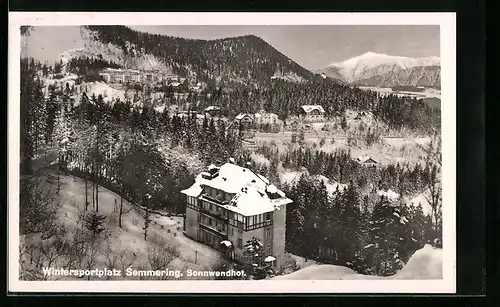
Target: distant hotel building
[312, 113]
[111, 75]
[228, 206]
[266, 118]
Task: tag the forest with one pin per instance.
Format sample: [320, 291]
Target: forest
[247, 57]
[147, 157]
[338, 230]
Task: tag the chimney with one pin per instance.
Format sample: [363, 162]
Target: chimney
[213, 170]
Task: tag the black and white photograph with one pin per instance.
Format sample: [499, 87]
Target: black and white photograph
[231, 152]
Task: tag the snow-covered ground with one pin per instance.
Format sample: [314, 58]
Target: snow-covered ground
[259, 159]
[426, 263]
[69, 78]
[389, 194]
[291, 177]
[426, 93]
[108, 93]
[192, 254]
[331, 186]
[423, 200]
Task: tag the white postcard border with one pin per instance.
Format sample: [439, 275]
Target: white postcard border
[447, 23]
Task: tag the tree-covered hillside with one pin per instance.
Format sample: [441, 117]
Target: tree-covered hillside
[245, 57]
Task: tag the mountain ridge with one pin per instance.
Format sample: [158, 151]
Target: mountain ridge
[383, 70]
[246, 58]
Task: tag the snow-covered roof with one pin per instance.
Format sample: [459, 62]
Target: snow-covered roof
[250, 189]
[242, 115]
[226, 243]
[212, 108]
[193, 191]
[175, 84]
[269, 259]
[365, 159]
[310, 108]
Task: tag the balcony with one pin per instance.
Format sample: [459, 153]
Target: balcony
[217, 200]
[219, 216]
[214, 231]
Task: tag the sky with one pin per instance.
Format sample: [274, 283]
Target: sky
[313, 47]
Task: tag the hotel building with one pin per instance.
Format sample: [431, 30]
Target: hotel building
[229, 205]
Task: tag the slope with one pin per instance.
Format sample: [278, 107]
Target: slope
[236, 59]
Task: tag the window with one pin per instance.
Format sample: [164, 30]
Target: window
[209, 222]
[268, 232]
[211, 207]
[231, 230]
[269, 216]
[240, 243]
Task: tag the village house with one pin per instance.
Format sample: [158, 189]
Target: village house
[243, 120]
[213, 110]
[360, 115]
[366, 161]
[229, 205]
[312, 113]
[175, 84]
[169, 78]
[266, 118]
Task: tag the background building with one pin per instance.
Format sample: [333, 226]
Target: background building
[312, 113]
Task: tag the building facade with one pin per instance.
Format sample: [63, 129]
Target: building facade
[246, 121]
[266, 118]
[366, 161]
[111, 75]
[228, 206]
[312, 113]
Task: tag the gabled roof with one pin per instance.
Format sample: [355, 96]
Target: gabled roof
[212, 108]
[365, 159]
[310, 108]
[251, 191]
[242, 115]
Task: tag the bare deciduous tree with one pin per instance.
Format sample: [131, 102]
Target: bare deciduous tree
[37, 205]
[161, 254]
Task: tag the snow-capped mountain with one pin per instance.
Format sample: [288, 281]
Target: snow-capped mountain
[382, 70]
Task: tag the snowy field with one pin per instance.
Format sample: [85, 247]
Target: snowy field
[426, 93]
[388, 150]
[192, 254]
[292, 177]
[426, 263]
